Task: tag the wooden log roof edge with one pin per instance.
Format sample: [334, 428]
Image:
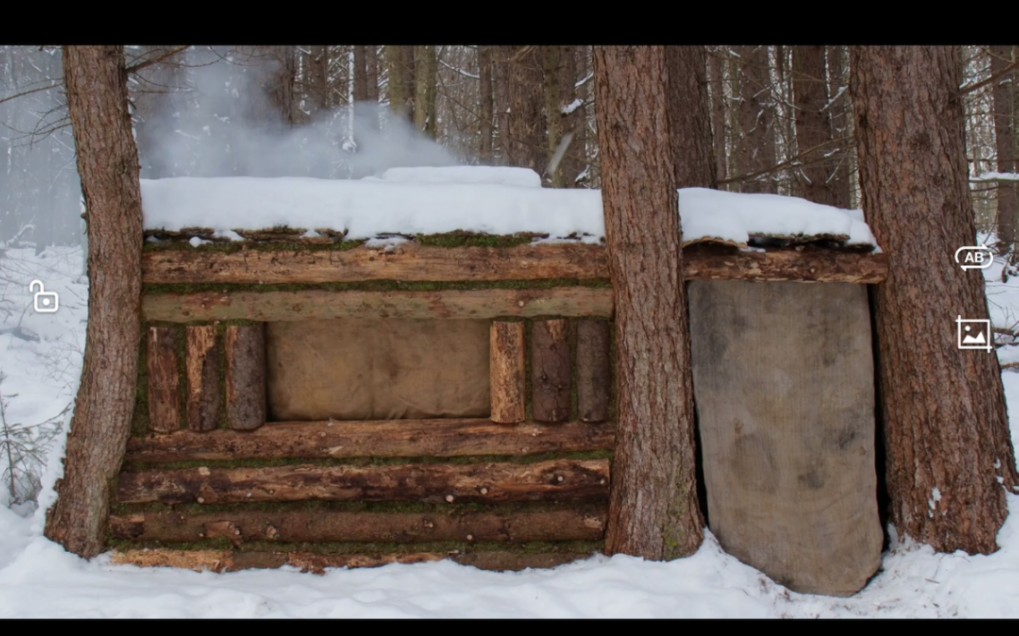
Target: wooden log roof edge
[825, 261]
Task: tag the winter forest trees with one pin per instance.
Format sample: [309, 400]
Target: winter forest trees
[780, 119]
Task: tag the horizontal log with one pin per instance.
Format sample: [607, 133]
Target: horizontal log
[411, 262]
[392, 438]
[322, 304]
[807, 265]
[230, 561]
[557, 480]
[583, 524]
[406, 262]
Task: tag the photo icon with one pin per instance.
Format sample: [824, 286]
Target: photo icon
[973, 333]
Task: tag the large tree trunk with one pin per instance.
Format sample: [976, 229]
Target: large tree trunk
[690, 117]
[653, 509]
[1005, 141]
[813, 131]
[96, 86]
[946, 431]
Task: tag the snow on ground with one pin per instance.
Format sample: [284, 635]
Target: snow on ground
[37, 578]
[469, 198]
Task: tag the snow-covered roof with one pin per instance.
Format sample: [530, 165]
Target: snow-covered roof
[485, 200]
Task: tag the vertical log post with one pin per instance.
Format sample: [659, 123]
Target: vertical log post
[245, 376]
[164, 380]
[203, 375]
[594, 370]
[507, 372]
[550, 370]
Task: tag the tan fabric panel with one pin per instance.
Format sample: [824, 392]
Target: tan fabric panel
[377, 369]
[784, 387]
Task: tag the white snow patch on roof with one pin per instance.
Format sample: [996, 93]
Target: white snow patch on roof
[486, 200]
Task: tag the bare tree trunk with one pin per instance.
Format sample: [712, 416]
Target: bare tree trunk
[757, 156]
[318, 78]
[487, 98]
[551, 60]
[945, 425]
[425, 75]
[283, 89]
[690, 117]
[525, 136]
[653, 507]
[361, 73]
[371, 65]
[841, 115]
[813, 131]
[574, 116]
[96, 85]
[400, 60]
[719, 134]
[1005, 143]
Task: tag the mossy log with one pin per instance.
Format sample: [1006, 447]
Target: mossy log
[230, 561]
[573, 524]
[392, 438]
[554, 480]
[411, 262]
[267, 306]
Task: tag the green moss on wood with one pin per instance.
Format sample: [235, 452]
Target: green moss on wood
[365, 461]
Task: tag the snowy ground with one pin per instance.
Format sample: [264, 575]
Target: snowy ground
[37, 578]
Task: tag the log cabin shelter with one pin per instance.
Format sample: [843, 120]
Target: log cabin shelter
[421, 367]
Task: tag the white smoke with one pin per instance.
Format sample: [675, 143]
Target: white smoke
[220, 121]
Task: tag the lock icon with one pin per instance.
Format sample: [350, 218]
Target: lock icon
[43, 302]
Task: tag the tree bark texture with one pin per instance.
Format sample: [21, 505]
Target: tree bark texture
[690, 117]
[653, 509]
[946, 435]
[96, 85]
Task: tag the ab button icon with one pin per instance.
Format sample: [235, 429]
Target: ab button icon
[43, 302]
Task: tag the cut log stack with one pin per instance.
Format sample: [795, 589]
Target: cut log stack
[212, 482]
